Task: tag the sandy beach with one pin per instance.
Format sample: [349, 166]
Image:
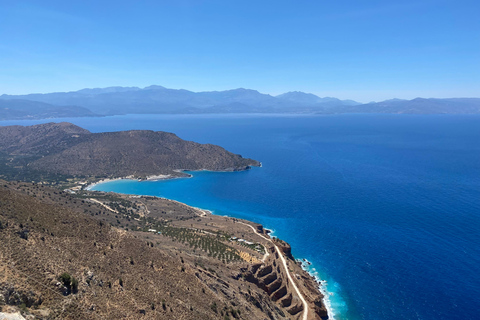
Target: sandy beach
[90, 186]
[160, 177]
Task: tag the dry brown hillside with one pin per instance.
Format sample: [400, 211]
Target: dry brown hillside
[65, 149]
[62, 258]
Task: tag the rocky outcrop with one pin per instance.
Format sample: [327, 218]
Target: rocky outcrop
[11, 316]
[320, 309]
[285, 248]
[10, 295]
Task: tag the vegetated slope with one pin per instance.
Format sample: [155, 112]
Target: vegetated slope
[59, 263]
[26, 109]
[63, 148]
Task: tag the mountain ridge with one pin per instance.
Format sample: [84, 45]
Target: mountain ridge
[156, 99]
[16, 109]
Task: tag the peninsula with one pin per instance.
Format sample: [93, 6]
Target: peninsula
[55, 151]
[71, 253]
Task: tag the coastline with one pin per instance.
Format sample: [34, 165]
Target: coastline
[320, 285]
[93, 184]
[148, 178]
[182, 174]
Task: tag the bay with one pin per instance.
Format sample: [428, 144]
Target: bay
[386, 207]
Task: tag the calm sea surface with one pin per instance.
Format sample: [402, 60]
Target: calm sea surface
[386, 207]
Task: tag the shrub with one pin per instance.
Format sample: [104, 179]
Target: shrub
[71, 283]
[213, 306]
[65, 278]
[74, 285]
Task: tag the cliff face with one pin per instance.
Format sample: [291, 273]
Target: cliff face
[64, 148]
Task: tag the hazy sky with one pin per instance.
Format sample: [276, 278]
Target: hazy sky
[363, 50]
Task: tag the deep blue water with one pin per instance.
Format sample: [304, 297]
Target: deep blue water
[387, 207]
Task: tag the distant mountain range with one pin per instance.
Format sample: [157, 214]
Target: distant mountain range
[161, 100]
[418, 106]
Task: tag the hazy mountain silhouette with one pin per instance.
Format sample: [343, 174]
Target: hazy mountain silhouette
[160, 100]
[27, 109]
[419, 106]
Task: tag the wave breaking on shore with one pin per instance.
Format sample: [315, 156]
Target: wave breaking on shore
[322, 286]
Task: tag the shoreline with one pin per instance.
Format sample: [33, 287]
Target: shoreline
[320, 284]
[93, 184]
[161, 177]
[132, 178]
[304, 264]
[183, 174]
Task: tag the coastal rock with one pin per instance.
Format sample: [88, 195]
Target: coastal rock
[320, 309]
[284, 247]
[260, 229]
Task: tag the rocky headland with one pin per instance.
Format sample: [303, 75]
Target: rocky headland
[62, 150]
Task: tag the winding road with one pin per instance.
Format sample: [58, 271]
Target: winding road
[104, 205]
[305, 305]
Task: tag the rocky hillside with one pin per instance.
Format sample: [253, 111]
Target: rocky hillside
[39, 140]
[63, 148]
[60, 264]
[72, 256]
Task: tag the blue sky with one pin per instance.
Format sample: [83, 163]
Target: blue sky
[363, 50]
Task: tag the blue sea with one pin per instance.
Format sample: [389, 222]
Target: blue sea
[386, 207]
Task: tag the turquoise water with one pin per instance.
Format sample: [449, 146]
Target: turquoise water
[387, 207]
